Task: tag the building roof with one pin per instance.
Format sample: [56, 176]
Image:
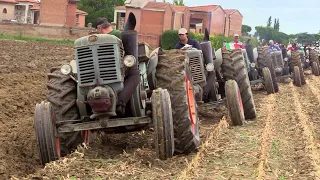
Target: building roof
[35, 7]
[120, 7]
[159, 6]
[81, 12]
[8, 1]
[208, 8]
[231, 11]
[178, 8]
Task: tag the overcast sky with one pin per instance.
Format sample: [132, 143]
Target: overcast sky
[295, 16]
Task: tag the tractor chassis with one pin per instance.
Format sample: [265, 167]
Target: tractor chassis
[104, 124]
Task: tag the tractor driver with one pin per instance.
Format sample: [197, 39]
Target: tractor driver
[132, 78]
[273, 46]
[237, 42]
[184, 39]
[104, 27]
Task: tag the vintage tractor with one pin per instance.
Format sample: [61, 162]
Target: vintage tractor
[314, 61]
[258, 66]
[204, 73]
[231, 72]
[296, 67]
[84, 96]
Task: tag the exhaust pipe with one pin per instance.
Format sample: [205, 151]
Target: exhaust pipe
[130, 44]
[206, 48]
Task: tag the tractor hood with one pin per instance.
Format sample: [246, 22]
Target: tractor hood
[95, 39]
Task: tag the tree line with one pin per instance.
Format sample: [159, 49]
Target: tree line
[273, 32]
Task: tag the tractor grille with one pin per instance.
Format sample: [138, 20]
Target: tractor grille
[99, 64]
[86, 65]
[277, 60]
[107, 63]
[197, 67]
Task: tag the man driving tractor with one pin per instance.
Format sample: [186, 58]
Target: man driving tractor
[273, 46]
[184, 39]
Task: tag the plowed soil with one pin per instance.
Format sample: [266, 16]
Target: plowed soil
[282, 143]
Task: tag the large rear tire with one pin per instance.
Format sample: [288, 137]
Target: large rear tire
[268, 80]
[163, 123]
[264, 60]
[233, 68]
[234, 103]
[62, 95]
[174, 75]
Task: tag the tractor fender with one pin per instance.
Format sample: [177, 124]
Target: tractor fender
[218, 60]
[73, 65]
[152, 65]
[289, 54]
[255, 54]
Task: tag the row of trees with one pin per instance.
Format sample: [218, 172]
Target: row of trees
[268, 32]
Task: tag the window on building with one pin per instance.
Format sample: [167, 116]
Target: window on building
[4, 11]
[77, 18]
[123, 15]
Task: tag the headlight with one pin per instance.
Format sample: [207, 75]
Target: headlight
[129, 60]
[210, 67]
[307, 60]
[285, 59]
[66, 69]
[253, 65]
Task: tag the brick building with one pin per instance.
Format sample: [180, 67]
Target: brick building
[17, 10]
[153, 18]
[60, 13]
[233, 22]
[211, 17]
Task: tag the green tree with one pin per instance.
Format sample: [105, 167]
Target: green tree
[269, 21]
[275, 24]
[99, 8]
[246, 29]
[178, 2]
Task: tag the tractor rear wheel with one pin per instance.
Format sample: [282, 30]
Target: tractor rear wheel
[268, 80]
[233, 68]
[174, 75]
[163, 123]
[264, 60]
[296, 61]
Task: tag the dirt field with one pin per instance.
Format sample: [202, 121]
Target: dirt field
[283, 143]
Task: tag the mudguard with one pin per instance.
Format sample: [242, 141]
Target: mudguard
[218, 60]
[151, 67]
[255, 54]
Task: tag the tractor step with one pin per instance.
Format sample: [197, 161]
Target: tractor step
[105, 123]
[213, 105]
[258, 81]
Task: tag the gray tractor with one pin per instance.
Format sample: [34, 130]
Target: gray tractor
[231, 72]
[213, 89]
[84, 96]
[296, 67]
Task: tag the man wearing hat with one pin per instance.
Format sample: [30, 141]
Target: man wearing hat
[105, 27]
[273, 46]
[184, 39]
[237, 42]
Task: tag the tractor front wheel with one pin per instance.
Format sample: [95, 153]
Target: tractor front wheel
[234, 103]
[268, 83]
[163, 123]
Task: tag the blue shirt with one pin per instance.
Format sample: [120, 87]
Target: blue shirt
[192, 42]
[274, 47]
